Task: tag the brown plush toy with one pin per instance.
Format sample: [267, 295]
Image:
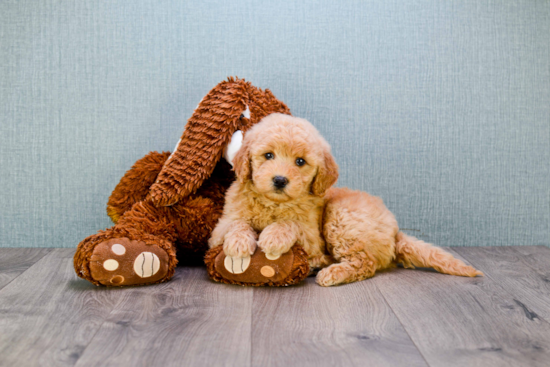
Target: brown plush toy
[171, 202]
[258, 270]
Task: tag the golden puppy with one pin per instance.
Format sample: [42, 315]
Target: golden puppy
[282, 196]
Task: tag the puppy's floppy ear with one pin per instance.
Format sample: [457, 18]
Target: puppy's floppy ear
[241, 163]
[326, 175]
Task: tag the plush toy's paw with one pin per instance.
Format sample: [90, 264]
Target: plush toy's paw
[121, 262]
[257, 270]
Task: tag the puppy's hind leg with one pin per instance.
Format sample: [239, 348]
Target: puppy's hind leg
[354, 266]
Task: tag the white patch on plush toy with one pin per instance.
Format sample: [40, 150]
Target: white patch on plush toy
[272, 257]
[233, 147]
[246, 112]
[199, 103]
[146, 264]
[118, 249]
[110, 265]
[236, 265]
[175, 148]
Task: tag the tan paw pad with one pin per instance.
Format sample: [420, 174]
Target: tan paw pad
[117, 279]
[267, 271]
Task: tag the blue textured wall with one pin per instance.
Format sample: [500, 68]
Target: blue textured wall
[442, 108]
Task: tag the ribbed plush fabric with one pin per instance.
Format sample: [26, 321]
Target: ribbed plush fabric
[442, 108]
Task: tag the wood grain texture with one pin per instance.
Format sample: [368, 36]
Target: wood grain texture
[47, 316]
[456, 321]
[189, 321]
[523, 271]
[309, 325]
[14, 261]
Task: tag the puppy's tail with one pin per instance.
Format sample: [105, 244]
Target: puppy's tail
[412, 252]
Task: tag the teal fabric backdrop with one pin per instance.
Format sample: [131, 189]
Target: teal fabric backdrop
[442, 108]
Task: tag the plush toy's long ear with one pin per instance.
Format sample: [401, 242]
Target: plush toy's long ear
[327, 175]
[201, 146]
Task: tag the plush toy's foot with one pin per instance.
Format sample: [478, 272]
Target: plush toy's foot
[121, 261]
[258, 269]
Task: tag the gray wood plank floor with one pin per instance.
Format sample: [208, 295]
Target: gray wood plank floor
[401, 317]
[14, 261]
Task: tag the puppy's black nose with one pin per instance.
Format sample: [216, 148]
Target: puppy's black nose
[280, 181]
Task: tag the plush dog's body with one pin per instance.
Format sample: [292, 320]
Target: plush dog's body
[285, 170]
[171, 202]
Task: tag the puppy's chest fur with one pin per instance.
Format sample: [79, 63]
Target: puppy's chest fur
[260, 212]
[262, 215]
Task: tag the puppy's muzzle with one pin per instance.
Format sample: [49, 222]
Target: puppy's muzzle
[280, 182]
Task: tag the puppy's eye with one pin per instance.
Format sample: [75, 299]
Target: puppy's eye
[300, 161]
[268, 155]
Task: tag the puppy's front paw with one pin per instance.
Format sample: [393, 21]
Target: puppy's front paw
[333, 275]
[239, 246]
[275, 242]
